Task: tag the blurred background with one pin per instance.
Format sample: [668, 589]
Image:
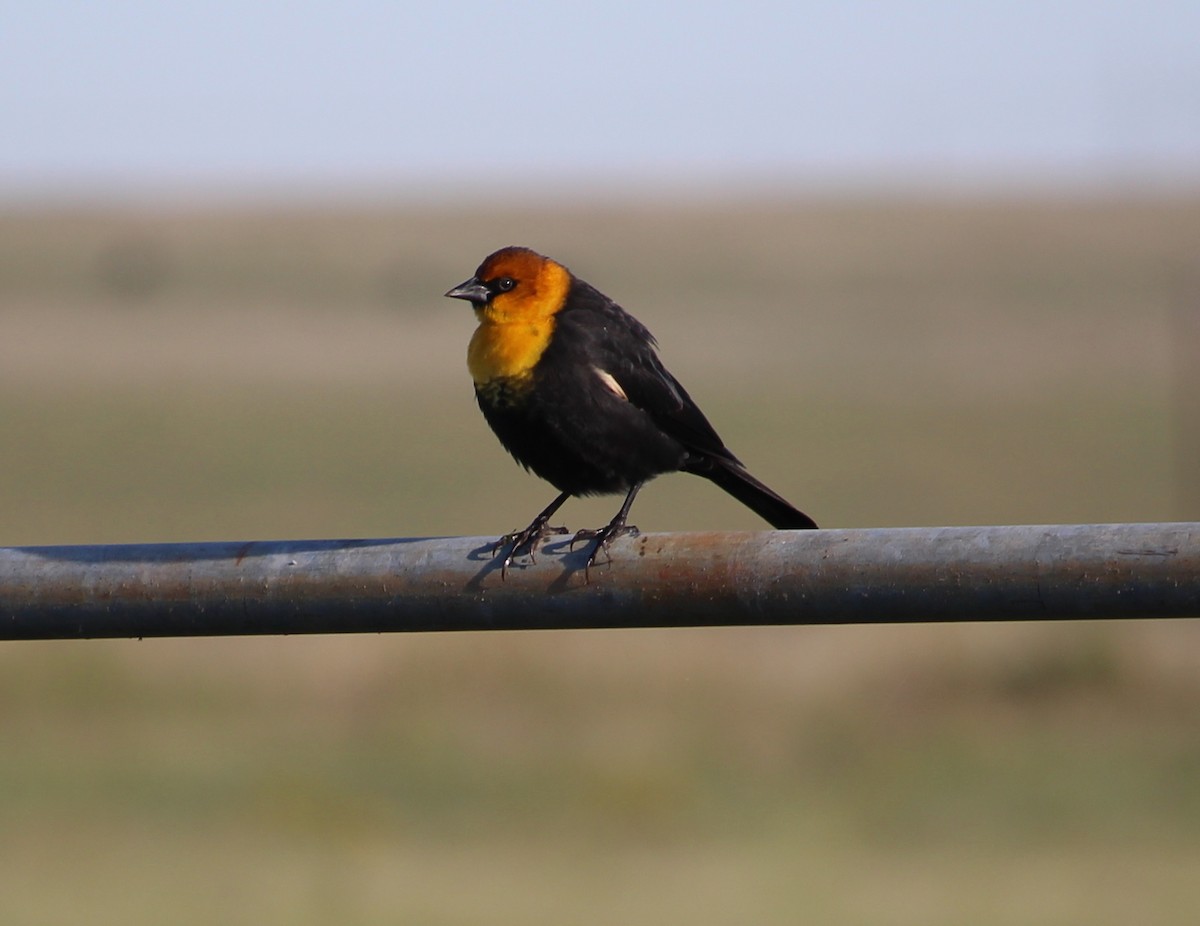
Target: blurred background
[922, 265]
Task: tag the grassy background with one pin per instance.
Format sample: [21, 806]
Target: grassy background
[172, 374]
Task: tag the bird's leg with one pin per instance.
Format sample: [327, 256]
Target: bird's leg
[610, 532]
[527, 540]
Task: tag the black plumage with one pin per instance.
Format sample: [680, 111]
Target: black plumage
[594, 411]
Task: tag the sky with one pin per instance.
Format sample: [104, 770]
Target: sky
[127, 97]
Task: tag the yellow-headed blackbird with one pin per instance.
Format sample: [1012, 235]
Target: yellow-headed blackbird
[572, 385]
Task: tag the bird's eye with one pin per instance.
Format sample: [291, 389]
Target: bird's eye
[504, 284]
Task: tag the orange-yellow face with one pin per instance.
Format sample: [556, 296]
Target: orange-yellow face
[524, 286]
[516, 293]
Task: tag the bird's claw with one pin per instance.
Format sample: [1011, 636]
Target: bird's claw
[523, 542]
[603, 536]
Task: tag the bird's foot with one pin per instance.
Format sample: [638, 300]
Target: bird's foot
[603, 536]
[524, 542]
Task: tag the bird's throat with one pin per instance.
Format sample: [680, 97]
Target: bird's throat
[507, 351]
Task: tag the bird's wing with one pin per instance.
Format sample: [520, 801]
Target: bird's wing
[624, 349]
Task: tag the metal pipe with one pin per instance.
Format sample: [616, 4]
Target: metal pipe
[901, 575]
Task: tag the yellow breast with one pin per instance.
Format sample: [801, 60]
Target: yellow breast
[507, 350]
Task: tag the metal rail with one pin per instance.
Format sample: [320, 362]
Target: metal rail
[901, 575]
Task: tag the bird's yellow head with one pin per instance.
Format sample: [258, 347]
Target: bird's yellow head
[516, 293]
[515, 285]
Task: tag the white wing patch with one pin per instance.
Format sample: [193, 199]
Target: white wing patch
[611, 383]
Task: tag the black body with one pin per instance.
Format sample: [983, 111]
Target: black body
[571, 427]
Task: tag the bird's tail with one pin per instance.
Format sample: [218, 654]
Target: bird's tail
[769, 506]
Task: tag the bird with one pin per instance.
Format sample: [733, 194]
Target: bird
[573, 387]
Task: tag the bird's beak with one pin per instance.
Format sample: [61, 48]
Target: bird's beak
[472, 290]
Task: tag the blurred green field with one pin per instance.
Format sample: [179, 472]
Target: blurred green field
[226, 374]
